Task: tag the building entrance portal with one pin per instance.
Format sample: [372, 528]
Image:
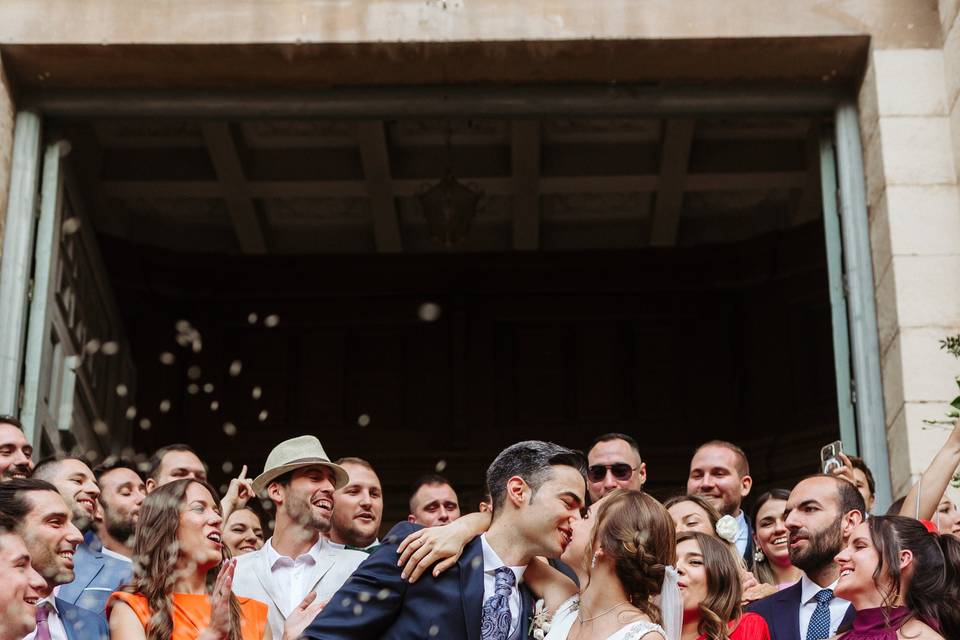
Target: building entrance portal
[665, 277]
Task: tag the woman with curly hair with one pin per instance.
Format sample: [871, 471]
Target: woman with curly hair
[177, 591]
[712, 592]
[903, 581]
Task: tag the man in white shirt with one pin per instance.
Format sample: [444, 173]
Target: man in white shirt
[720, 473]
[300, 480]
[43, 520]
[821, 513]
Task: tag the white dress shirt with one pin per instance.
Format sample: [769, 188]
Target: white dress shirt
[743, 535]
[289, 574]
[115, 555]
[492, 562]
[54, 623]
[808, 604]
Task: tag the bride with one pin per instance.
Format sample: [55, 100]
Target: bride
[621, 553]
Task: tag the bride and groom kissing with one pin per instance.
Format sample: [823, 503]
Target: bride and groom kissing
[492, 567]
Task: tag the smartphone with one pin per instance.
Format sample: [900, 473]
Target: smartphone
[830, 456]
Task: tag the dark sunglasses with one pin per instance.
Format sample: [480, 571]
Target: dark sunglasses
[620, 470]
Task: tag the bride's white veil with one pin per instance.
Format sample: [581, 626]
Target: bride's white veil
[671, 604]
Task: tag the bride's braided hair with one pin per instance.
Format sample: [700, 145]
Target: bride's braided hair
[637, 533]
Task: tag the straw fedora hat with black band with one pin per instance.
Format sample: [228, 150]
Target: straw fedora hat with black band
[297, 453]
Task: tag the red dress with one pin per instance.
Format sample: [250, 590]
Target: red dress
[751, 626]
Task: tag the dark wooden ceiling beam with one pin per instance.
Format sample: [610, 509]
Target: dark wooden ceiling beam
[674, 160]
[525, 162]
[375, 157]
[222, 146]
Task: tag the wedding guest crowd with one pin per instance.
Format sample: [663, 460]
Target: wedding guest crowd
[564, 547]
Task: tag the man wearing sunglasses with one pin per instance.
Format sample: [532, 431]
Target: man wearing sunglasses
[614, 462]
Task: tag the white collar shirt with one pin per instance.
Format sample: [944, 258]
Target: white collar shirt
[743, 535]
[114, 555]
[290, 576]
[808, 604]
[54, 622]
[492, 562]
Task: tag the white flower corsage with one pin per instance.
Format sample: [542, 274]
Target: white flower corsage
[540, 622]
[728, 528]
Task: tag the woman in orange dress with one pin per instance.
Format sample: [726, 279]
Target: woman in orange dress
[176, 595]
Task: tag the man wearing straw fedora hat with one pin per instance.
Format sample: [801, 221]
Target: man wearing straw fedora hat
[299, 479]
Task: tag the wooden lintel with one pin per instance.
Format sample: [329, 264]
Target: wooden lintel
[222, 146]
[809, 206]
[525, 162]
[372, 140]
[674, 159]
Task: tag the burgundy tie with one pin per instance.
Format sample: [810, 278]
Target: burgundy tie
[43, 629]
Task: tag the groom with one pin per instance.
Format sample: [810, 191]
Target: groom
[537, 490]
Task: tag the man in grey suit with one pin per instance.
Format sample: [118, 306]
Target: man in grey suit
[300, 480]
[98, 573]
[43, 520]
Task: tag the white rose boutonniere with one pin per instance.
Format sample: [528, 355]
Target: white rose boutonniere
[728, 528]
[540, 623]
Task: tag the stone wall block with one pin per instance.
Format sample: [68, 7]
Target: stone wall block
[873, 168]
[929, 372]
[948, 10]
[6, 147]
[917, 150]
[887, 322]
[951, 60]
[923, 220]
[910, 82]
[880, 247]
[927, 289]
[898, 447]
[955, 135]
[891, 374]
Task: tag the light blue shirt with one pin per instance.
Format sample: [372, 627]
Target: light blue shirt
[744, 534]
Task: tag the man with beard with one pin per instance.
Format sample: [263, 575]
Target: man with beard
[122, 491]
[821, 513]
[43, 520]
[720, 474]
[357, 507]
[15, 451]
[300, 480]
[97, 574]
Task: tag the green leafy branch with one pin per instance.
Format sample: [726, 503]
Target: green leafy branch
[951, 344]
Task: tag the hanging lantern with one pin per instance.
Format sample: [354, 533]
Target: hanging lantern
[449, 208]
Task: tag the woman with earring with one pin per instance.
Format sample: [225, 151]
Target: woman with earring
[183, 574]
[903, 581]
[772, 557]
[710, 587]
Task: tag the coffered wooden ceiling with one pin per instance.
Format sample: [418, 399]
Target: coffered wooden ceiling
[337, 186]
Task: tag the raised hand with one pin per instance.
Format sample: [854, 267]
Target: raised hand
[238, 494]
[219, 627]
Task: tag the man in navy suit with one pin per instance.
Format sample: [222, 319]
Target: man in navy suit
[98, 571]
[537, 490]
[821, 513]
[44, 521]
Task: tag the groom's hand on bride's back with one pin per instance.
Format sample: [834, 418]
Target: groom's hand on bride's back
[438, 547]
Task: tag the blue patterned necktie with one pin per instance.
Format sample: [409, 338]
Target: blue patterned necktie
[495, 618]
[819, 628]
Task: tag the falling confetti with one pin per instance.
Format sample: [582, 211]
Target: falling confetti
[122, 390]
[164, 406]
[110, 348]
[230, 429]
[208, 387]
[441, 465]
[194, 372]
[70, 226]
[100, 428]
[193, 389]
[363, 420]
[235, 368]
[214, 405]
[271, 321]
[263, 415]
[428, 311]
[92, 346]
[257, 392]
[252, 318]
[131, 412]
[227, 467]
[145, 424]
[167, 358]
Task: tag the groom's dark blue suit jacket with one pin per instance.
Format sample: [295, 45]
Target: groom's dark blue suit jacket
[782, 613]
[376, 603]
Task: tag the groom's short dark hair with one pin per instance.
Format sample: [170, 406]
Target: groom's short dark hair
[531, 460]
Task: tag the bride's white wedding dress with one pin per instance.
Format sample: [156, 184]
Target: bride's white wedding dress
[567, 613]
